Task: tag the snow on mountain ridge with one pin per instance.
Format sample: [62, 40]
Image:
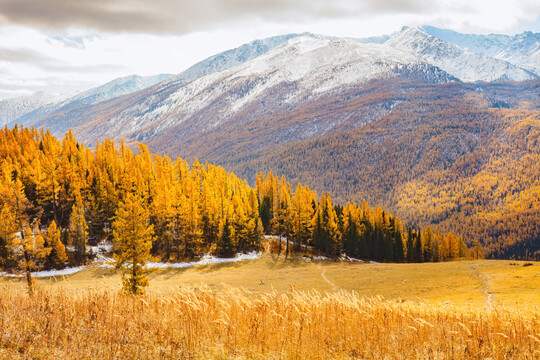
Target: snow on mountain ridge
[231, 58]
[302, 67]
[117, 87]
[12, 109]
[460, 62]
[521, 50]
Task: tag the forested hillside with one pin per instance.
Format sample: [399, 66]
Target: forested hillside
[463, 157]
[58, 197]
[359, 121]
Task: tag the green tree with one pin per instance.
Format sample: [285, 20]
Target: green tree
[410, 245]
[325, 229]
[419, 256]
[78, 230]
[427, 250]
[225, 245]
[350, 236]
[265, 212]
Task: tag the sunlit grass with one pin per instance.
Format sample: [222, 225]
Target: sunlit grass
[200, 322]
[272, 309]
[459, 282]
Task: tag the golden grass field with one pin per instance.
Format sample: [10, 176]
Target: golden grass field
[294, 309]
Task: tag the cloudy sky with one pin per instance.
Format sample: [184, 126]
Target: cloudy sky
[64, 46]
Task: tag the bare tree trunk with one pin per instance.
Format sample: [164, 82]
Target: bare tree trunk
[29, 280]
[287, 248]
[133, 277]
[279, 251]
[168, 253]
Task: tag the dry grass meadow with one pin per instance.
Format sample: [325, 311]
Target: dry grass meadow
[268, 309]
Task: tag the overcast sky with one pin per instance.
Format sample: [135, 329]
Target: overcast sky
[64, 46]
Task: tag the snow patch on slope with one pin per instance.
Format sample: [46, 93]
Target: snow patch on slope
[302, 67]
[460, 62]
[49, 273]
[12, 109]
[522, 50]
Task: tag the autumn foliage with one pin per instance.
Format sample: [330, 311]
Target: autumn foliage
[60, 197]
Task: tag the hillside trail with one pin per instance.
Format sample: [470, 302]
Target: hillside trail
[323, 274]
[485, 282]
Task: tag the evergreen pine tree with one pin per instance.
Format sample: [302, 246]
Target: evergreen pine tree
[418, 256]
[399, 250]
[410, 245]
[265, 212]
[78, 230]
[428, 244]
[225, 246]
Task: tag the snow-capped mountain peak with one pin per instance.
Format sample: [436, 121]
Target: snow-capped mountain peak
[303, 67]
[454, 59]
[11, 109]
[117, 87]
[522, 50]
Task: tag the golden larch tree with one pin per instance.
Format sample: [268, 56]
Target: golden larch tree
[133, 237]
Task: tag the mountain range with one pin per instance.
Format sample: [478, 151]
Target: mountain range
[406, 121]
[26, 109]
[465, 57]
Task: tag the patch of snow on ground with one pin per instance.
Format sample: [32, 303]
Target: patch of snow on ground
[206, 260]
[284, 240]
[106, 247]
[320, 258]
[49, 273]
[106, 262]
[347, 258]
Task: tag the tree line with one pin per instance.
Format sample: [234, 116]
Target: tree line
[445, 155]
[355, 230]
[58, 198]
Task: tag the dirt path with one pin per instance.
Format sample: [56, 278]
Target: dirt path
[485, 282]
[323, 274]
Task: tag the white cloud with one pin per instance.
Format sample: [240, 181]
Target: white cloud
[74, 58]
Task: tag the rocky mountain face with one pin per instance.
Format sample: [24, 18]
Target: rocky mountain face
[302, 69]
[521, 50]
[467, 65]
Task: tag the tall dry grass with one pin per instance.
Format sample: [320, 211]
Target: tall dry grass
[204, 323]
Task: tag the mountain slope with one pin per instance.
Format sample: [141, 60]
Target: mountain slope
[464, 64]
[231, 58]
[110, 90]
[463, 157]
[117, 87]
[360, 120]
[12, 109]
[302, 69]
[522, 50]
[59, 115]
